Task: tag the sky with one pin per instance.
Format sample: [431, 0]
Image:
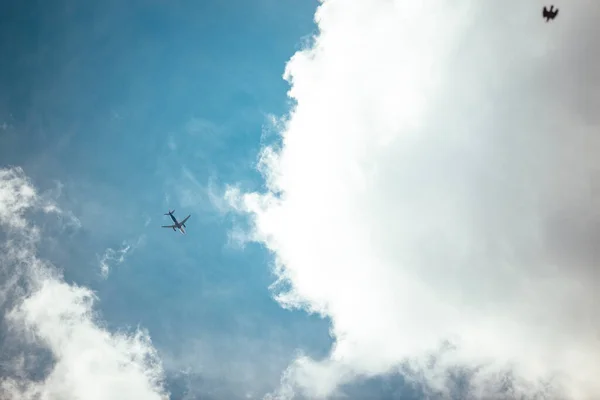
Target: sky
[388, 199]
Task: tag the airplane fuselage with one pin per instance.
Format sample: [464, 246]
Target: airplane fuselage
[177, 224]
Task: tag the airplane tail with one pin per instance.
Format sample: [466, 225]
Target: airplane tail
[170, 212]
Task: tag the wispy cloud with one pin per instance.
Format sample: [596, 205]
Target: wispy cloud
[233, 367]
[205, 198]
[43, 312]
[171, 143]
[16, 197]
[203, 192]
[432, 186]
[237, 238]
[113, 257]
[202, 127]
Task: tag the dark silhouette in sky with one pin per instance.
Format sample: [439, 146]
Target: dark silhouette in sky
[549, 14]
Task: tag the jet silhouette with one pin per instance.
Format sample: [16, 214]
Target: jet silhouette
[177, 224]
[549, 14]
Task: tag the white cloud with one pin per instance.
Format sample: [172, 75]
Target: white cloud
[41, 310]
[16, 196]
[112, 257]
[434, 184]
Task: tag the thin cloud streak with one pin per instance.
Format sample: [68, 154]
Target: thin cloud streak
[113, 257]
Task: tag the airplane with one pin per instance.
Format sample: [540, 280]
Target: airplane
[177, 225]
[549, 14]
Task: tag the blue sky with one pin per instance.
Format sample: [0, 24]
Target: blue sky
[134, 107]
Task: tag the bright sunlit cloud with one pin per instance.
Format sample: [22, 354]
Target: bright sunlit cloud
[42, 313]
[435, 183]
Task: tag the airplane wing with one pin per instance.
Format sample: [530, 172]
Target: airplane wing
[186, 218]
[169, 226]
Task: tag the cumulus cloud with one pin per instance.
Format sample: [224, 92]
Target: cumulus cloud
[433, 189]
[52, 343]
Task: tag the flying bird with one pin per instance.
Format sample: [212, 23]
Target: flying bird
[549, 14]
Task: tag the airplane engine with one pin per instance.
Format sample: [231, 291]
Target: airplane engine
[174, 229]
[183, 225]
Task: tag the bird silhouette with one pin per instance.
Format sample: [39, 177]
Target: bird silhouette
[549, 14]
